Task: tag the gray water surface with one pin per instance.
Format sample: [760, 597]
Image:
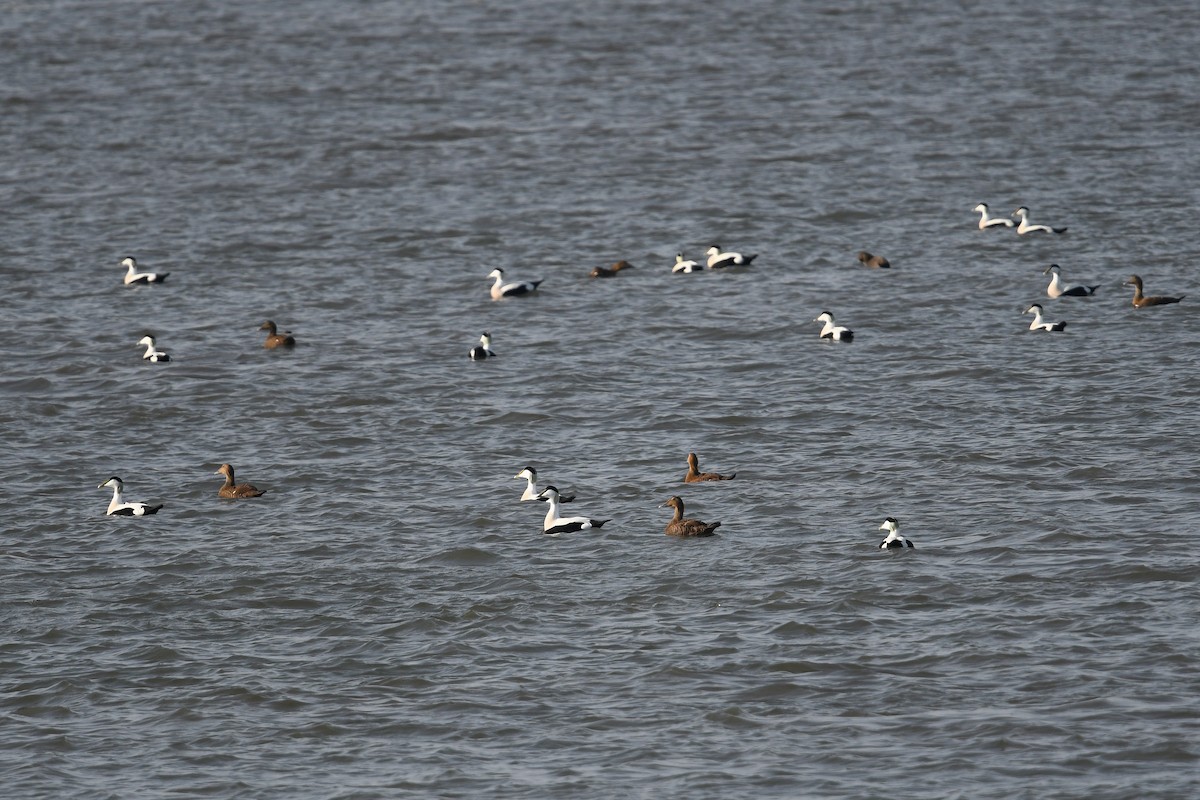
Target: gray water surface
[388, 620]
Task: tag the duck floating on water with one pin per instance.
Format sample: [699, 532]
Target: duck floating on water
[1039, 325]
[119, 508]
[1028, 227]
[838, 333]
[554, 524]
[483, 350]
[718, 259]
[531, 490]
[609, 272]
[683, 266]
[152, 352]
[694, 475]
[986, 222]
[513, 288]
[894, 540]
[678, 526]
[275, 339]
[874, 262]
[1141, 301]
[1059, 289]
[133, 276]
[235, 491]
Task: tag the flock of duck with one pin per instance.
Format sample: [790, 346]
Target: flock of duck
[716, 258]
[121, 507]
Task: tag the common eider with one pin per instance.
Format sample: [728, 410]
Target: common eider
[608, 272]
[1059, 289]
[118, 507]
[511, 289]
[152, 352]
[554, 524]
[694, 475]
[1028, 227]
[1141, 301]
[838, 333]
[874, 262]
[991, 222]
[235, 490]
[133, 276]
[717, 259]
[482, 350]
[275, 339]
[678, 526]
[531, 490]
[684, 266]
[1039, 325]
[894, 540]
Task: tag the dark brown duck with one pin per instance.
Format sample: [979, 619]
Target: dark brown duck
[678, 526]
[275, 339]
[1141, 301]
[694, 475]
[235, 491]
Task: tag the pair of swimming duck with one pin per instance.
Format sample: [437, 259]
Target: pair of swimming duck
[274, 339]
[986, 221]
[716, 259]
[555, 523]
[120, 507]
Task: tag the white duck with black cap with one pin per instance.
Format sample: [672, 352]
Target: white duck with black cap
[531, 490]
[512, 288]
[894, 540]
[555, 524]
[119, 507]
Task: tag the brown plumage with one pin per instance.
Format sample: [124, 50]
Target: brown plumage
[678, 526]
[608, 272]
[874, 262]
[694, 475]
[1141, 301]
[275, 339]
[235, 491]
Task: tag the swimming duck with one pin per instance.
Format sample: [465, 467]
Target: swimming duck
[1028, 227]
[531, 490]
[118, 506]
[894, 540]
[608, 272]
[678, 526]
[1141, 301]
[512, 289]
[554, 524]
[838, 333]
[484, 349]
[1059, 289]
[1039, 325]
[235, 491]
[152, 354]
[990, 222]
[874, 262]
[275, 339]
[133, 276]
[694, 475]
[684, 266]
[718, 259]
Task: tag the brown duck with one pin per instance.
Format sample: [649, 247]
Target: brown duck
[608, 272]
[694, 475]
[275, 339]
[235, 490]
[678, 526]
[874, 262]
[1141, 301]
